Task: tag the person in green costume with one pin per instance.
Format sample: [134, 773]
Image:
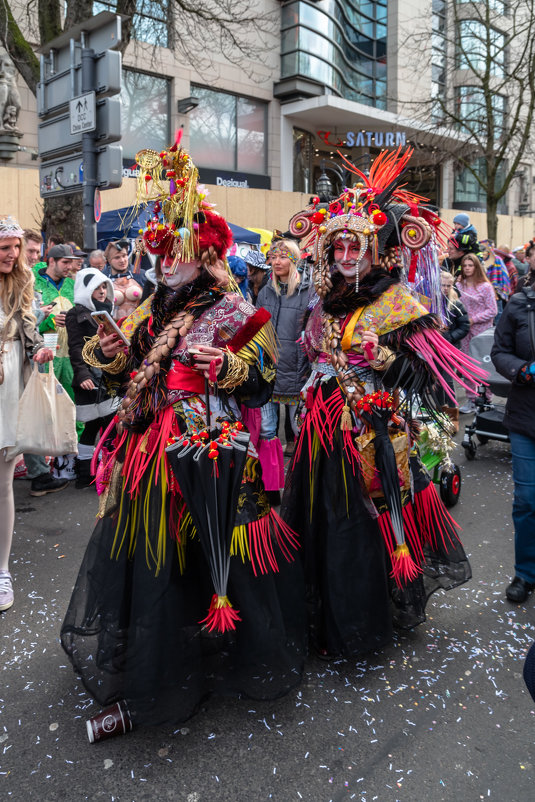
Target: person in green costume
[56, 291]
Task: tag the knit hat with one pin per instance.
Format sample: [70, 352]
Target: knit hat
[255, 259]
[237, 266]
[462, 220]
[10, 228]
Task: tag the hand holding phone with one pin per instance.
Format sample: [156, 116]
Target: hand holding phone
[109, 325]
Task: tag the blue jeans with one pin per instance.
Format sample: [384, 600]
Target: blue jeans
[270, 420]
[36, 465]
[523, 453]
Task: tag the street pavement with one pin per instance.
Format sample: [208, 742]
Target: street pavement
[441, 714]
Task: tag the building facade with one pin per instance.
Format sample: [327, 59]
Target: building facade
[329, 76]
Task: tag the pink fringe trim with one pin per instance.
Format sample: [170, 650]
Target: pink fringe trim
[442, 357]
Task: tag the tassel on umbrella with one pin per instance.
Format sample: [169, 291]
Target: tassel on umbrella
[376, 410]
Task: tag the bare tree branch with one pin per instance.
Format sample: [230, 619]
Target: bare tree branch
[489, 56]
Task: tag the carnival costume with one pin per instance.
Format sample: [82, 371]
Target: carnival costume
[377, 540]
[144, 623]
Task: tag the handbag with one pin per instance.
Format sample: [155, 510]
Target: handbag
[370, 475]
[46, 422]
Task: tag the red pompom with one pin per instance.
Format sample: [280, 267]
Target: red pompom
[379, 218]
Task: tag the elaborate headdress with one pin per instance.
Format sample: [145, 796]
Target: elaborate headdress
[183, 224]
[377, 212]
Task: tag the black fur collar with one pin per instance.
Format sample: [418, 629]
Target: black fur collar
[343, 299]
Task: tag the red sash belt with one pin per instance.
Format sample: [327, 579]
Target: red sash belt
[180, 377]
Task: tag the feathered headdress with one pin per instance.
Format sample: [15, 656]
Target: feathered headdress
[183, 224]
[377, 211]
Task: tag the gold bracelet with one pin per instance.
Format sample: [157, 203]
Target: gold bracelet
[88, 354]
[385, 357]
[237, 372]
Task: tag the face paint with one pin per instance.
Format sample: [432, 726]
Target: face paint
[184, 274]
[346, 256]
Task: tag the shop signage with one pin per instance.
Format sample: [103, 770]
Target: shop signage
[361, 139]
[218, 177]
[224, 178]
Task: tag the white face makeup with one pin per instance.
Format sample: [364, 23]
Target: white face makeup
[346, 256]
[185, 273]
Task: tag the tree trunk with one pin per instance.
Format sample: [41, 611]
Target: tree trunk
[492, 218]
[49, 20]
[18, 48]
[78, 11]
[128, 8]
[64, 216]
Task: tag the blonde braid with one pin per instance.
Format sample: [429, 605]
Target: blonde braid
[350, 384]
[163, 346]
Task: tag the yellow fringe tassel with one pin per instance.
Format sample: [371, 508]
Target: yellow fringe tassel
[265, 339]
[240, 543]
[314, 453]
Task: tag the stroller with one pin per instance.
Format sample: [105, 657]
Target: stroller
[488, 419]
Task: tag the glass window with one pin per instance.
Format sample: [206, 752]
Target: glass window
[472, 107]
[150, 20]
[302, 162]
[341, 44]
[251, 125]
[469, 191]
[477, 42]
[144, 112]
[228, 132]
[500, 6]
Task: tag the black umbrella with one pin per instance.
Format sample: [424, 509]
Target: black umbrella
[376, 410]
[209, 471]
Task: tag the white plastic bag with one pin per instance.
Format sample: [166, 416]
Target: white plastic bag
[46, 421]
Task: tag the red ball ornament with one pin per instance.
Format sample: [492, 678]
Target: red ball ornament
[317, 217]
[379, 218]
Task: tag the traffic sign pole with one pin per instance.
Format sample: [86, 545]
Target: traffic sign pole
[80, 71]
[89, 154]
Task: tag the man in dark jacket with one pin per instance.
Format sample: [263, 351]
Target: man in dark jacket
[513, 355]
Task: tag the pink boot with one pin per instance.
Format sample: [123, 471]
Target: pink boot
[272, 462]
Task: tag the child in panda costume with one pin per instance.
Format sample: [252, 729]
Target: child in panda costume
[94, 398]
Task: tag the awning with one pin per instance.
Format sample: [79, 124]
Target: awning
[112, 226]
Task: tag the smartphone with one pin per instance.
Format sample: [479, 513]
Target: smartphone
[109, 325]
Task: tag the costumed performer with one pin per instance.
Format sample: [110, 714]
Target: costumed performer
[376, 538]
[137, 627]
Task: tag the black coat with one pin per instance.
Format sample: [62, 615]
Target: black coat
[81, 327]
[510, 352]
[458, 323]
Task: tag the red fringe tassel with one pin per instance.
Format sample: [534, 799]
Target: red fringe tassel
[221, 615]
[261, 542]
[433, 519]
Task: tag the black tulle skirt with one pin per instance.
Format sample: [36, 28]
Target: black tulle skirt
[133, 633]
[353, 602]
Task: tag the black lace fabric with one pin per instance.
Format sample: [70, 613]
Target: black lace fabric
[134, 633]
[353, 604]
